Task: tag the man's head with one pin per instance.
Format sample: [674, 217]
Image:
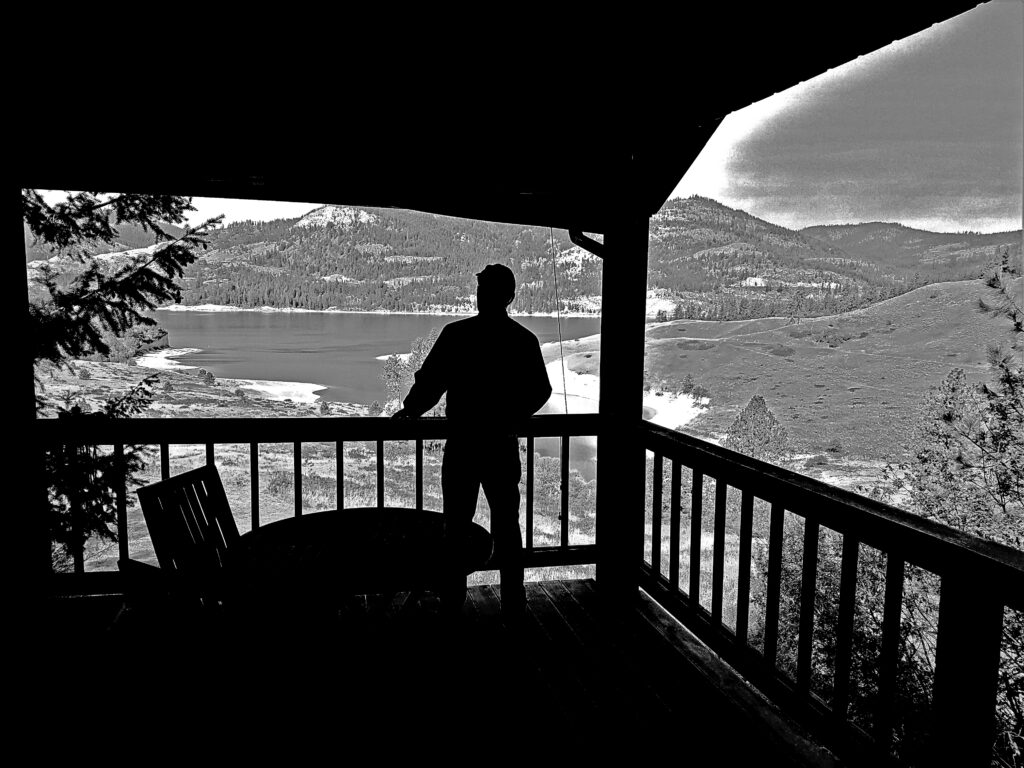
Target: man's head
[496, 287]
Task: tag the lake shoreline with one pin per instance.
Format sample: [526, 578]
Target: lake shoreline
[300, 310]
[266, 389]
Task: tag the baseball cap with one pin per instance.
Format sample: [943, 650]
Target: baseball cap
[498, 276]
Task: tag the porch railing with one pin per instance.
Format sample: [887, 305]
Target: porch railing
[118, 433]
[978, 581]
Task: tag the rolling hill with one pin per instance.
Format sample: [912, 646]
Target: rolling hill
[851, 382]
[897, 246]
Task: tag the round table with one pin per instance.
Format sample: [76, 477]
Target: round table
[363, 550]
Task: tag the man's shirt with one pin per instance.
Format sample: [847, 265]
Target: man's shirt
[492, 369]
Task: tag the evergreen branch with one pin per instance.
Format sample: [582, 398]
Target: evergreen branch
[80, 217]
[172, 257]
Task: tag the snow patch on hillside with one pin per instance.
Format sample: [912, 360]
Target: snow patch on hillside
[658, 300]
[339, 216]
[339, 278]
[571, 262]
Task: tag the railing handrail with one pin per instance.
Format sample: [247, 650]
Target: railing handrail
[924, 542]
[97, 430]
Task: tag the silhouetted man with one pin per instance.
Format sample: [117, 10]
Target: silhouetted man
[492, 369]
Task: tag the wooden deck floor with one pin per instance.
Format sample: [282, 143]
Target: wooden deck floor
[577, 674]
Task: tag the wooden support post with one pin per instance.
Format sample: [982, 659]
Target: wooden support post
[29, 527]
[966, 673]
[620, 455]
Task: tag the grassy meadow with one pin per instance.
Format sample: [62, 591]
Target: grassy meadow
[852, 381]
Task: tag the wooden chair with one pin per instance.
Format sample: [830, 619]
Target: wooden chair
[193, 532]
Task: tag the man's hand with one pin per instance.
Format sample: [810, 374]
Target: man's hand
[402, 413]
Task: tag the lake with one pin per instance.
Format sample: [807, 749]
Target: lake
[337, 351]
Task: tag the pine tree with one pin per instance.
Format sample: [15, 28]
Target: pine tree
[82, 312]
[756, 432]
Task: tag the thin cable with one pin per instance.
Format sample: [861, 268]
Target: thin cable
[561, 356]
[558, 316]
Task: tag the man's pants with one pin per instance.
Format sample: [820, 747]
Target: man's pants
[494, 464]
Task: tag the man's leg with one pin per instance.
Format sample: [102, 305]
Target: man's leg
[460, 486]
[501, 487]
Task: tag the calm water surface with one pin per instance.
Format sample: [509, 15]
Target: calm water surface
[335, 350]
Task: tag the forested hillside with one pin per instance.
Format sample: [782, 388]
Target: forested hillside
[895, 246]
[706, 261]
[383, 259]
[717, 263]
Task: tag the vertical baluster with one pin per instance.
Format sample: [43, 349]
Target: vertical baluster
[696, 512]
[771, 619]
[656, 480]
[808, 588]
[297, 473]
[210, 459]
[673, 526]
[529, 492]
[165, 461]
[419, 473]
[254, 483]
[891, 620]
[75, 505]
[966, 670]
[122, 502]
[844, 631]
[718, 556]
[564, 495]
[339, 470]
[743, 578]
[380, 474]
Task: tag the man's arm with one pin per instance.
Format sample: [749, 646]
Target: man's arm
[431, 381]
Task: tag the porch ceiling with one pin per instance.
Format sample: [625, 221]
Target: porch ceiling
[521, 146]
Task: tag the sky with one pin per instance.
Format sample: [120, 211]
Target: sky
[927, 132]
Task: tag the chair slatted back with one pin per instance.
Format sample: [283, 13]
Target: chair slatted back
[191, 526]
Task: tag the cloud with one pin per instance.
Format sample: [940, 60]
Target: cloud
[930, 128]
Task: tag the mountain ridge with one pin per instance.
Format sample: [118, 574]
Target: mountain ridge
[706, 261]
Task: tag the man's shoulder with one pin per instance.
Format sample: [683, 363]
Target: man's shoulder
[505, 329]
[456, 327]
[521, 331]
